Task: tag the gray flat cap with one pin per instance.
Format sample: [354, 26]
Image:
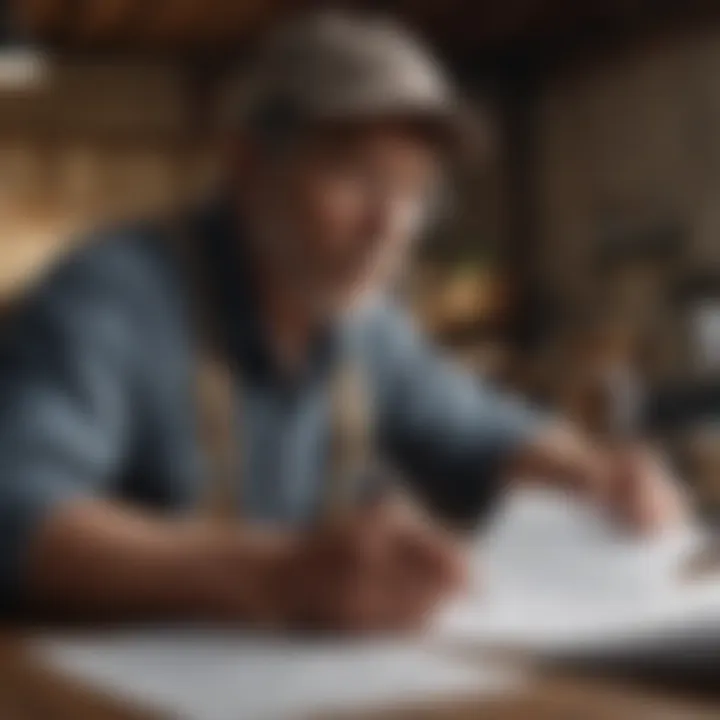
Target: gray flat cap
[340, 66]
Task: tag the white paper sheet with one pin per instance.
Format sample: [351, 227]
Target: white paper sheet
[550, 576]
[553, 575]
[215, 675]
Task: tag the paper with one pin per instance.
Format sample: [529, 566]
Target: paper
[216, 675]
[554, 576]
[550, 576]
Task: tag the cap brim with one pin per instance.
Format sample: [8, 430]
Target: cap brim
[458, 129]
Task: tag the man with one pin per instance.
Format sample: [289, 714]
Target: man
[338, 157]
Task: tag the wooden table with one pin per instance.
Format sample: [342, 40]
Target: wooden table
[30, 692]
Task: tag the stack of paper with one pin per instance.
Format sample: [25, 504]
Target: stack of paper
[553, 575]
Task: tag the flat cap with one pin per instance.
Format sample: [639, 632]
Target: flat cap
[336, 65]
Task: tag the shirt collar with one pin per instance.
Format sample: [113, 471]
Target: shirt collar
[229, 266]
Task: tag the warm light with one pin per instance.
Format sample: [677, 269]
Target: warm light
[22, 68]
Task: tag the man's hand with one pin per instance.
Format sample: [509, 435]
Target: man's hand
[382, 569]
[642, 491]
[632, 482]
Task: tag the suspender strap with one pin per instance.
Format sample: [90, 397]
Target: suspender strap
[350, 441]
[217, 396]
[218, 406]
[218, 399]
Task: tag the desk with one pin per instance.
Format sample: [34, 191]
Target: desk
[29, 692]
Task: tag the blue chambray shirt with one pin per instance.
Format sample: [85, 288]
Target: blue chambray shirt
[97, 395]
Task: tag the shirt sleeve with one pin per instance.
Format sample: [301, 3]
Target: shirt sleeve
[65, 402]
[447, 430]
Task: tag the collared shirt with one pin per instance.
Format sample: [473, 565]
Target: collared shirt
[97, 373]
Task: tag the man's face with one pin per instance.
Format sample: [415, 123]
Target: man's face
[340, 210]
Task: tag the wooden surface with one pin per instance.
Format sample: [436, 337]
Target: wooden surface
[29, 692]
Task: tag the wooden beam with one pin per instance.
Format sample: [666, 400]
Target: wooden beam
[519, 105]
[466, 28]
[105, 21]
[43, 18]
[232, 21]
[173, 23]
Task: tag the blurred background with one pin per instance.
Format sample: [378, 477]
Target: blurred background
[581, 260]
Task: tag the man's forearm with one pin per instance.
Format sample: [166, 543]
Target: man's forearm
[561, 456]
[632, 482]
[97, 558]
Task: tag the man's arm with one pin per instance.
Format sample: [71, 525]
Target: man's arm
[633, 482]
[95, 558]
[562, 455]
[68, 421]
[450, 433]
[460, 440]
[68, 417]
[381, 568]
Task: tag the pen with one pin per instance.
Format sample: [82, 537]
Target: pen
[703, 563]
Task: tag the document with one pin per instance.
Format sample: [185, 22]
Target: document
[205, 674]
[552, 575]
